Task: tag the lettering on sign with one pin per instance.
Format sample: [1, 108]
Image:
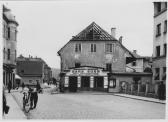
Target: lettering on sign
[90, 71]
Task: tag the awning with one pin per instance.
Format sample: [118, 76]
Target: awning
[17, 77]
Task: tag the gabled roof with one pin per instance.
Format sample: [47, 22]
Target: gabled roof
[93, 32]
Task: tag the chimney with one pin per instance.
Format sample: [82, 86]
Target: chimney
[113, 32]
[120, 39]
[135, 51]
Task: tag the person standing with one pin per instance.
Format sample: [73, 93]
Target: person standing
[23, 85]
[9, 86]
[161, 91]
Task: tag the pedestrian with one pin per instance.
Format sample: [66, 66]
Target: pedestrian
[161, 91]
[5, 106]
[23, 85]
[35, 95]
[9, 86]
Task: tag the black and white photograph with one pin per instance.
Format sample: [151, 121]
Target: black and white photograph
[83, 59]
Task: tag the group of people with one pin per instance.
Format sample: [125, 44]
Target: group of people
[32, 94]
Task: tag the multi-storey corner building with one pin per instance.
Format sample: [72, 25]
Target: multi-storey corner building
[159, 43]
[33, 70]
[96, 60]
[9, 46]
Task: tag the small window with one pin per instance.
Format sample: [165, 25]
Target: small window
[134, 63]
[157, 74]
[93, 47]
[112, 83]
[8, 32]
[109, 47]
[77, 47]
[4, 53]
[108, 67]
[157, 51]
[164, 69]
[22, 71]
[158, 30]
[165, 26]
[77, 65]
[159, 7]
[8, 54]
[15, 55]
[165, 49]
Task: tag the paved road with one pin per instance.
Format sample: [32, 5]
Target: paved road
[93, 106]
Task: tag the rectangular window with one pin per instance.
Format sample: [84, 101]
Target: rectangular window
[77, 47]
[159, 7]
[165, 49]
[15, 55]
[4, 53]
[157, 51]
[157, 76]
[93, 47]
[8, 54]
[15, 35]
[164, 69]
[158, 30]
[77, 65]
[108, 67]
[134, 63]
[109, 47]
[8, 32]
[165, 26]
[4, 31]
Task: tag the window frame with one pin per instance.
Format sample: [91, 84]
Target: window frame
[158, 30]
[9, 53]
[157, 54]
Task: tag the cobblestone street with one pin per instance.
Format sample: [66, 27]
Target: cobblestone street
[92, 106]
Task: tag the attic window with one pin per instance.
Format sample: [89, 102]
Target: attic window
[89, 35]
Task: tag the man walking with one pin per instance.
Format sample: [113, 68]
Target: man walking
[9, 86]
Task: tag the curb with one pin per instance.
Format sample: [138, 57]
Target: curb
[16, 100]
[139, 99]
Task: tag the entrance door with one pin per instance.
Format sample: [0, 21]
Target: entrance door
[72, 84]
[98, 83]
[85, 82]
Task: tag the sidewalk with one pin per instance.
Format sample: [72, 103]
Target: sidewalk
[141, 98]
[15, 111]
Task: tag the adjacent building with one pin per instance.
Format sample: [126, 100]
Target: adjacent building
[159, 43]
[33, 70]
[9, 46]
[96, 60]
[141, 64]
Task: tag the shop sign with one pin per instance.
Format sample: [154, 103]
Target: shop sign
[89, 71]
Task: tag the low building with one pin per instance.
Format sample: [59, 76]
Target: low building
[33, 70]
[141, 64]
[96, 60]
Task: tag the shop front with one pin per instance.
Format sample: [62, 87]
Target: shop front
[86, 79]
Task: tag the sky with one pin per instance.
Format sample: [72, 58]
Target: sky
[46, 26]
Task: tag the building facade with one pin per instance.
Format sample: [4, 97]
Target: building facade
[93, 60]
[33, 70]
[9, 46]
[141, 64]
[159, 43]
